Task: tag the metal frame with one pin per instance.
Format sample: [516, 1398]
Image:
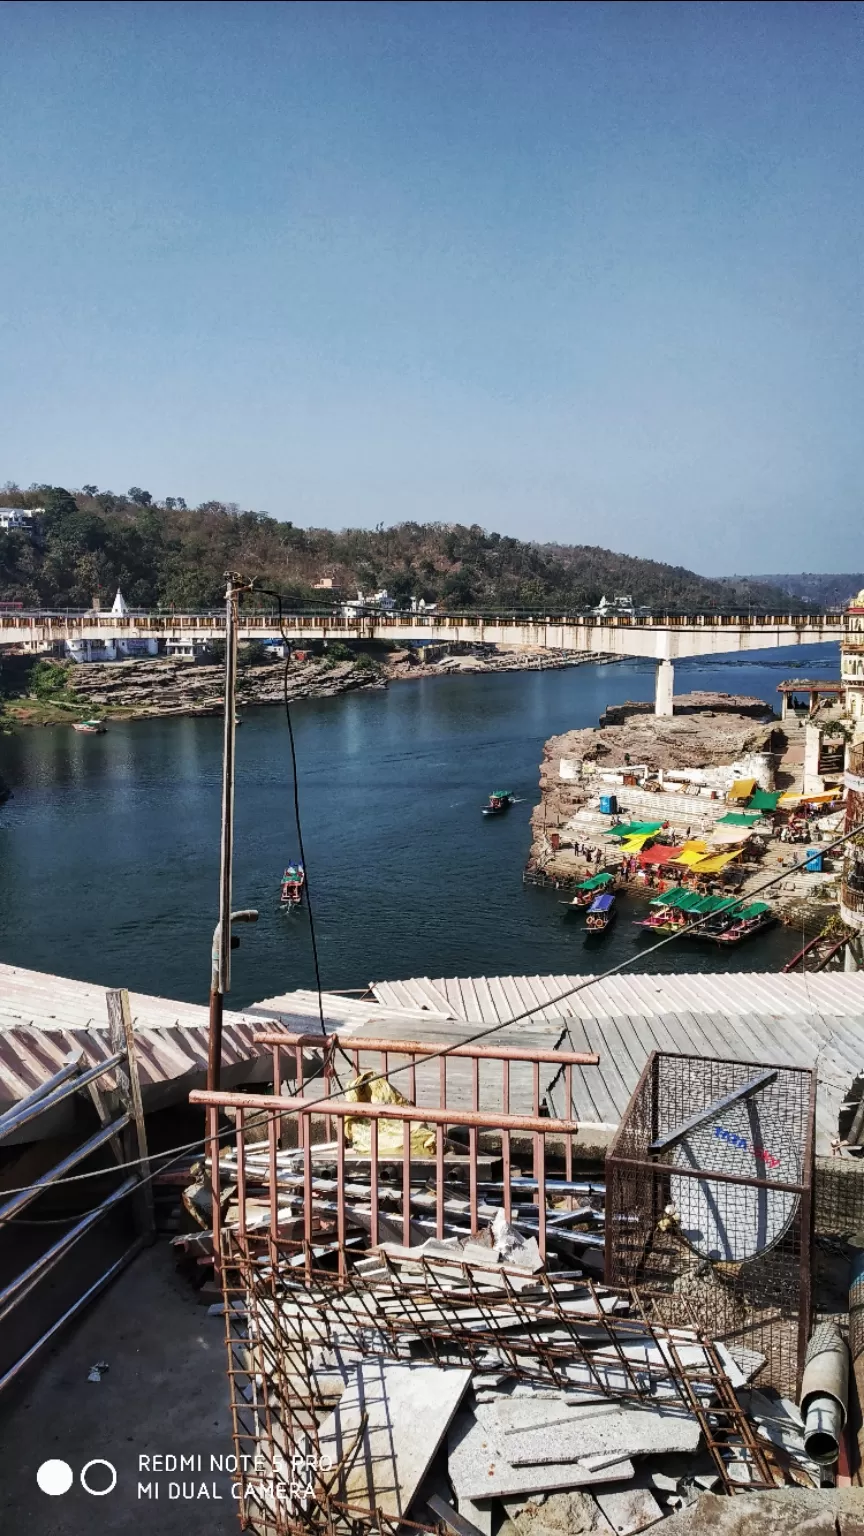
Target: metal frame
[127, 1135]
[764, 1302]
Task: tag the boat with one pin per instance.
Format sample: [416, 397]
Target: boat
[747, 921]
[500, 801]
[601, 912]
[90, 727]
[588, 889]
[293, 881]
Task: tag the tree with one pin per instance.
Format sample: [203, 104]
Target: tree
[90, 490]
[58, 504]
[140, 498]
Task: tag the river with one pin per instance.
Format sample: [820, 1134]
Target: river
[109, 848]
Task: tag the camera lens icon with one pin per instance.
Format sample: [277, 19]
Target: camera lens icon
[56, 1477]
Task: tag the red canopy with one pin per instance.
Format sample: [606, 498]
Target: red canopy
[658, 855]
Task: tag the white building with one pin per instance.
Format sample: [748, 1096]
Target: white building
[18, 519]
[381, 602]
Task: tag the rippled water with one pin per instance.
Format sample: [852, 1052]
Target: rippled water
[109, 848]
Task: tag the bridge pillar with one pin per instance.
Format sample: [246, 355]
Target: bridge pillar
[664, 688]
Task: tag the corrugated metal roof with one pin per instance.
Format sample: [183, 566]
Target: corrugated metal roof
[791, 1020]
[481, 999]
[44, 1017]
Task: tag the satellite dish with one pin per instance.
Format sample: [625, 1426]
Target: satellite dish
[735, 1222]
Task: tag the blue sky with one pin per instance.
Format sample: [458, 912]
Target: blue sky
[588, 273]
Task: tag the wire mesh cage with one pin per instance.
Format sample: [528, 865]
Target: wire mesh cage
[709, 1202]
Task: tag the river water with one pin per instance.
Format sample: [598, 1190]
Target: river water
[109, 849]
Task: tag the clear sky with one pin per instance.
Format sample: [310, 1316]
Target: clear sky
[583, 272]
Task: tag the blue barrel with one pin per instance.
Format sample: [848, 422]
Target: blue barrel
[609, 805]
[814, 860]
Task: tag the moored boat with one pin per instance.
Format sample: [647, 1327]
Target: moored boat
[90, 727]
[601, 912]
[500, 801]
[747, 921]
[586, 890]
[293, 881]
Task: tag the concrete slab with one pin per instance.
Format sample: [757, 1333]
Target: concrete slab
[481, 1514]
[629, 1510]
[392, 1419]
[533, 1434]
[478, 1470]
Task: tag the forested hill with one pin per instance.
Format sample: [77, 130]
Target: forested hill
[87, 543]
[826, 591]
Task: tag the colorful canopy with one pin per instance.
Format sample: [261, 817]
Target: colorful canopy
[712, 866]
[738, 819]
[789, 799]
[765, 800]
[692, 852]
[635, 844]
[636, 829]
[671, 897]
[659, 854]
[742, 789]
[726, 836]
[602, 903]
[595, 883]
[755, 909]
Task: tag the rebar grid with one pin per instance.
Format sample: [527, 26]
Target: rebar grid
[746, 1275]
[282, 1324]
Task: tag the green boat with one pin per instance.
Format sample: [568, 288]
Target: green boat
[588, 889]
[500, 801]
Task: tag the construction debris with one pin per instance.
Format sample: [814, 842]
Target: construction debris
[433, 1336]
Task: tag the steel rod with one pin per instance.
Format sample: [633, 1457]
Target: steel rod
[21, 1286]
[18, 1117]
[483, 1120]
[73, 1062]
[20, 1201]
[98, 1285]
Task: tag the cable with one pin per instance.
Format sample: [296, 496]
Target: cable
[175, 1153]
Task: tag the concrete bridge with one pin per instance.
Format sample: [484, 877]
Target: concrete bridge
[662, 638]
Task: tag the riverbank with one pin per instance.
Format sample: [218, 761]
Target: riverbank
[674, 774]
[143, 689]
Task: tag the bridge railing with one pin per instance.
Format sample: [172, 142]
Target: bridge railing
[60, 621]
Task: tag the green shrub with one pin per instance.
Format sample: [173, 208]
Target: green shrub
[49, 681]
[337, 650]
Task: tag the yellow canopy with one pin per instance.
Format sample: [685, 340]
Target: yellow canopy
[791, 798]
[636, 842]
[742, 789]
[717, 862]
[692, 852]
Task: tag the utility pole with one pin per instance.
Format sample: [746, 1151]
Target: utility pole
[220, 968]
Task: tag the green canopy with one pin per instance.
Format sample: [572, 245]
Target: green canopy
[669, 898]
[738, 818]
[682, 899]
[710, 904]
[637, 829]
[764, 799]
[595, 882]
[501, 794]
[755, 909]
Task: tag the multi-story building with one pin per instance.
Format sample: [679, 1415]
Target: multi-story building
[18, 519]
[852, 662]
[852, 882]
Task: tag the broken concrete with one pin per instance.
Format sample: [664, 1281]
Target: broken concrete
[629, 1510]
[393, 1419]
[533, 1434]
[780, 1512]
[478, 1470]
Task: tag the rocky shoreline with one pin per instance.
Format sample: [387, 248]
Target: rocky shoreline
[163, 687]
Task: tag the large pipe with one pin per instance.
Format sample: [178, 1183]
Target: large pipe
[856, 1342]
[825, 1393]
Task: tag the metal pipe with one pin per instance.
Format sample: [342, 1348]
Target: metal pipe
[23, 1284]
[483, 1120]
[423, 1048]
[71, 1312]
[220, 980]
[14, 1119]
[73, 1061]
[21, 1201]
[825, 1394]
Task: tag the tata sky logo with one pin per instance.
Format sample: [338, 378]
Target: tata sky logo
[97, 1477]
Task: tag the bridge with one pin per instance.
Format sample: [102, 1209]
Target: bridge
[664, 638]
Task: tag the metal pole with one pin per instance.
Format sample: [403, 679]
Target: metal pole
[220, 979]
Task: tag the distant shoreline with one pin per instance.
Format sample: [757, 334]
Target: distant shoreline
[158, 689]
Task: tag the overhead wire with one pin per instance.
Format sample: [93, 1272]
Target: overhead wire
[175, 1153]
